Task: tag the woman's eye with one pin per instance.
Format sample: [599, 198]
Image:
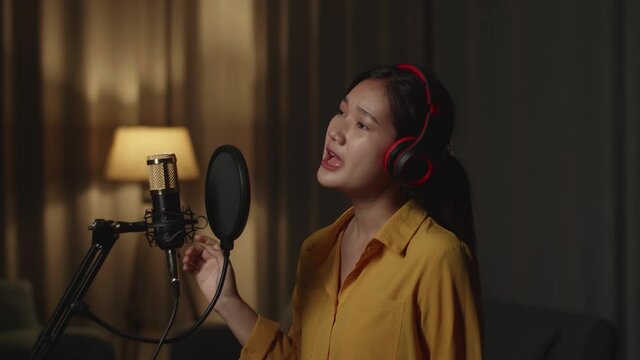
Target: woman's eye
[362, 126]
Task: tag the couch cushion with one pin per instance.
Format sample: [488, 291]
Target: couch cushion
[516, 331]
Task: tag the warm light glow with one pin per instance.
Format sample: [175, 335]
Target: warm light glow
[127, 159]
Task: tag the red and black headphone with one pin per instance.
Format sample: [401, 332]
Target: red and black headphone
[404, 156]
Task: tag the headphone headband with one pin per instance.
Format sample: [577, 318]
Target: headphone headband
[431, 108]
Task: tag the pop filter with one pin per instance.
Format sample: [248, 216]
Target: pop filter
[227, 194]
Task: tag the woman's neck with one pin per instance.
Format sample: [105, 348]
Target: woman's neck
[369, 215]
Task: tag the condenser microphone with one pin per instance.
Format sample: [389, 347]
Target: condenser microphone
[167, 219]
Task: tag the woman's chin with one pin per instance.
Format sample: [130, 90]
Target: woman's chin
[327, 179]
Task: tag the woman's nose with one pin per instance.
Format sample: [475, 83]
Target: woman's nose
[336, 134]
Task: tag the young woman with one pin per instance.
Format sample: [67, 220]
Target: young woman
[394, 277]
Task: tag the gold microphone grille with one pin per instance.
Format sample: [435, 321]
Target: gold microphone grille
[163, 172]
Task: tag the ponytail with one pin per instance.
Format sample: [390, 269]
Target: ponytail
[448, 200]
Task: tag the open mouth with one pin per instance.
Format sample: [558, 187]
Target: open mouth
[332, 160]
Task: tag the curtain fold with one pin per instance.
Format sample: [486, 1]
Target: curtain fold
[629, 75]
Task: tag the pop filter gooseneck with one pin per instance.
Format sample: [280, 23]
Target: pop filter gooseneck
[227, 194]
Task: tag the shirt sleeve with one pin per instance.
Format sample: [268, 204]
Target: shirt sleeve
[447, 301]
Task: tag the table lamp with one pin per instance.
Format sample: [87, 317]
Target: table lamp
[127, 160]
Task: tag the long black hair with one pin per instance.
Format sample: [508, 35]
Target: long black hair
[446, 195]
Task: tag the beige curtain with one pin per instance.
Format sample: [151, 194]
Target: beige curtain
[72, 72]
[265, 76]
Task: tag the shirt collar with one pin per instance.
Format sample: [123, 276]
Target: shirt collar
[402, 226]
[395, 233]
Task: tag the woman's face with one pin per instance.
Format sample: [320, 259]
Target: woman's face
[357, 139]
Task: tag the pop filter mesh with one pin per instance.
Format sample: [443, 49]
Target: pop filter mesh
[227, 193]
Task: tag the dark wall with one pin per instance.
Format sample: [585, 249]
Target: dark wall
[546, 94]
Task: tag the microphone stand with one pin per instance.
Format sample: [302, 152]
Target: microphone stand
[105, 234]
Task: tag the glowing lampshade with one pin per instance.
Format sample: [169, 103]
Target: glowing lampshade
[127, 160]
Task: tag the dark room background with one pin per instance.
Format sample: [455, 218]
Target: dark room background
[548, 127]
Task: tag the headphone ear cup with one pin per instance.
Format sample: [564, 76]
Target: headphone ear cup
[391, 157]
[413, 168]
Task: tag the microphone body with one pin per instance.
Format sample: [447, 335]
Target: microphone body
[167, 218]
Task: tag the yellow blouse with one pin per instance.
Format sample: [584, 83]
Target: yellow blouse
[410, 296]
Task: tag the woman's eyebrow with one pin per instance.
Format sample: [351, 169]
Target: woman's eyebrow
[363, 110]
[367, 113]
